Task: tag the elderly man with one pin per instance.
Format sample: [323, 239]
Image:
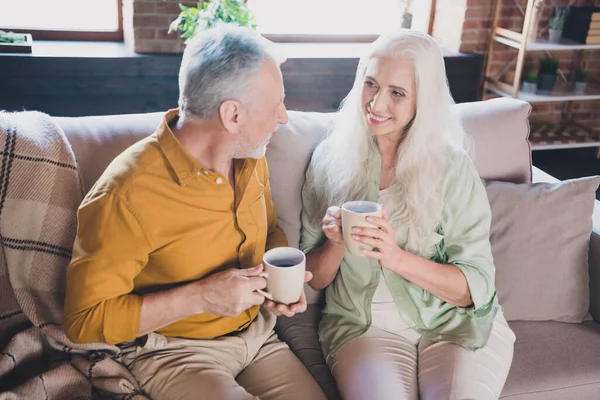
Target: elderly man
[170, 239]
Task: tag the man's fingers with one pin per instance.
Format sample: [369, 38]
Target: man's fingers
[307, 276]
[272, 307]
[285, 310]
[254, 271]
[256, 282]
[301, 305]
[256, 299]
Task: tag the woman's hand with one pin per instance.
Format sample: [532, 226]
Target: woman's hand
[383, 240]
[332, 225]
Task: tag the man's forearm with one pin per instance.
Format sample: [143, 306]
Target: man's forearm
[164, 308]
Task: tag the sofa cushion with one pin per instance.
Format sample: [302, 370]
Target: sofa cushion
[96, 141]
[540, 238]
[554, 361]
[288, 156]
[300, 333]
[499, 129]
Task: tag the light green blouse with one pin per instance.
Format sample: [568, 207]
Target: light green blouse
[462, 239]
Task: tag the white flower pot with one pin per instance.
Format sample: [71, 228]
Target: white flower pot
[579, 87]
[529, 87]
[554, 35]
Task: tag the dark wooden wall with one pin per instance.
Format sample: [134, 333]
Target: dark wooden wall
[76, 86]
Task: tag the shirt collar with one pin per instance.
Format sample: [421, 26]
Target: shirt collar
[180, 160]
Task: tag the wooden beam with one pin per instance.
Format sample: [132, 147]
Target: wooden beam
[432, 8]
[509, 34]
[488, 67]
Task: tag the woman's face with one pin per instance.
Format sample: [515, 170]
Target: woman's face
[388, 96]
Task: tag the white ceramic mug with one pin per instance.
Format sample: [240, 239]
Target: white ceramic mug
[284, 272]
[355, 213]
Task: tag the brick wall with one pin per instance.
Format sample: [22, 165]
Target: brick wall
[460, 25]
[475, 38]
[146, 23]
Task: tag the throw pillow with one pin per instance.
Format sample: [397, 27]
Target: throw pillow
[540, 237]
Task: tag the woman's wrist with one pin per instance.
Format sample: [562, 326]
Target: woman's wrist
[401, 259]
[336, 248]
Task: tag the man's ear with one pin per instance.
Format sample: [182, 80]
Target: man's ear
[230, 112]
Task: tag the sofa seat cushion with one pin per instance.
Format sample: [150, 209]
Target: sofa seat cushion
[554, 361]
[300, 333]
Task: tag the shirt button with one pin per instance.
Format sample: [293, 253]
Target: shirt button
[461, 310]
[205, 172]
[438, 337]
[241, 254]
[198, 173]
[219, 181]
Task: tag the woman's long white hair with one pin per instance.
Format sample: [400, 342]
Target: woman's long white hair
[423, 154]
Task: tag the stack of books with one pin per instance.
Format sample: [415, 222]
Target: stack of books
[582, 25]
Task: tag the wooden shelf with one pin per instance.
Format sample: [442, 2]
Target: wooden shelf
[544, 45]
[547, 97]
[548, 136]
[544, 136]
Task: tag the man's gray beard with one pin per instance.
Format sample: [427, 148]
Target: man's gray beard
[258, 152]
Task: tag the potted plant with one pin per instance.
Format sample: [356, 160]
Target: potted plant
[210, 13]
[529, 83]
[547, 73]
[579, 81]
[556, 24]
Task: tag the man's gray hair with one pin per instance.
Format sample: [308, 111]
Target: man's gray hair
[220, 64]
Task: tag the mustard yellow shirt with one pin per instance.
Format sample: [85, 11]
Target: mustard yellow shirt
[156, 219]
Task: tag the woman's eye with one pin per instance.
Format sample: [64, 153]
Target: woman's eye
[398, 94]
[369, 84]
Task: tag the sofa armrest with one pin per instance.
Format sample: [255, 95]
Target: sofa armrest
[594, 262]
[541, 176]
[594, 254]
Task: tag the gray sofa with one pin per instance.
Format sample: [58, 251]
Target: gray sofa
[553, 360]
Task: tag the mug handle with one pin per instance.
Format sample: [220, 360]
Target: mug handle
[264, 293]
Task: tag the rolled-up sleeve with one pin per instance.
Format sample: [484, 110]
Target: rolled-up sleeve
[110, 250]
[466, 229]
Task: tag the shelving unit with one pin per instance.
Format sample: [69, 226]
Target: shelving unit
[544, 136]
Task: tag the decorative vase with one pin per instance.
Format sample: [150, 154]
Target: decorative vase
[554, 35]
[546, 82]
[579, 87]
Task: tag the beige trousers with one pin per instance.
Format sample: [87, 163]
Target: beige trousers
[383, 365]
[251, 365]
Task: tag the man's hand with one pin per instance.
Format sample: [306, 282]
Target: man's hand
[229, 293]
[293, 309]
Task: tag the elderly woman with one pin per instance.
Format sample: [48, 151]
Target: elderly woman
[418, 315]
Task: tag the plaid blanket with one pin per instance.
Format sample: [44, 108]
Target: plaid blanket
[40, 190]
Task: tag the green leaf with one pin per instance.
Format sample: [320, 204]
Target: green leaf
[208, 13]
